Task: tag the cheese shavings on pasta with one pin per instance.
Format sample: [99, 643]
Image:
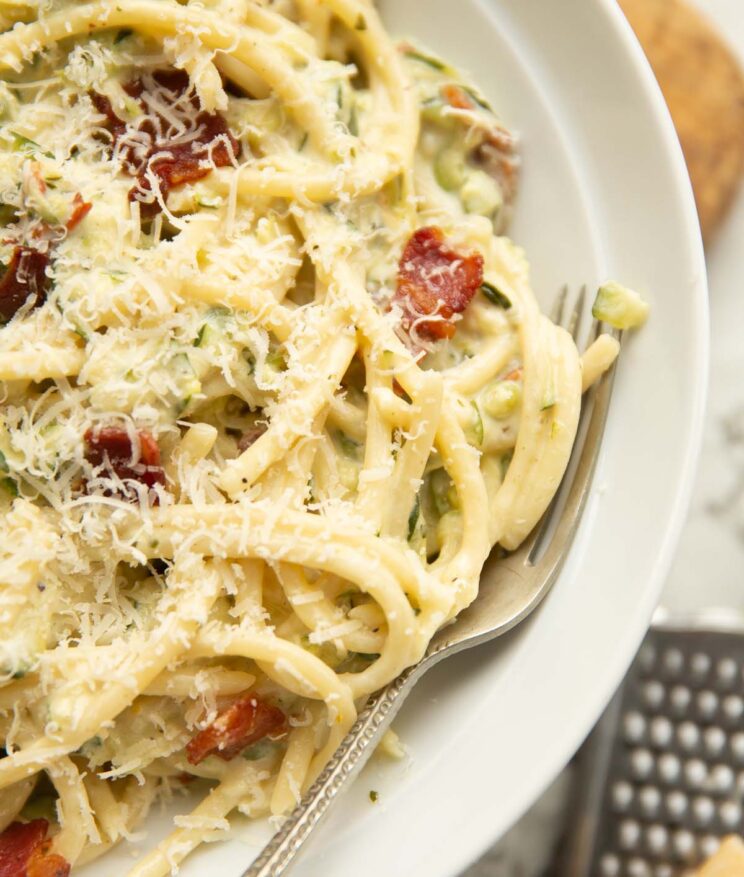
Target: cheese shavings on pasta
[272, 386]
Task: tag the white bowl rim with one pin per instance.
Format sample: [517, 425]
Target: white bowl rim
[475, 837]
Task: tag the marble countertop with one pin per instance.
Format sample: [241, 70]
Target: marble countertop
[710, 559]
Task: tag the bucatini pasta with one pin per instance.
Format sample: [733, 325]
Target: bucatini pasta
[271, 388]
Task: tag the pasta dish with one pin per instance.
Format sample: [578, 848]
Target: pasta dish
[272, 386]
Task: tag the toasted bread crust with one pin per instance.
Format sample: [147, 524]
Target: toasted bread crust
[704, 88]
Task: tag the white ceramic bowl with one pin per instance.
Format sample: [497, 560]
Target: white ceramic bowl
[605, 194]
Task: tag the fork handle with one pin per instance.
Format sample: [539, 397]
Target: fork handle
[281, 851]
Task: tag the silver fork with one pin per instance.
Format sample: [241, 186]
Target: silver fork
[511, 588]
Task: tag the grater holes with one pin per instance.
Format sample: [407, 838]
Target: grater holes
[733, 707]
[721, 779]
[610, 865]
[714, 740]
[622, 796]
[695, 773]
[669, 768]
[677, 770]
[730, 812]
[641, 763]
[707, 704]
[726, 671]
[673, 661]
[628, 834]
[700, 665]
[660, 732]
[638, 867]
[676, 805]
[657, 840]
[679, 699]
[634, 726]
[703, 810]
[737, 746]
[653, 694]
[683, 845]
[649, 799]
[709, 845]
[688, 736]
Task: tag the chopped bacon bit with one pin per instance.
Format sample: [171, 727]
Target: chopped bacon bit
[246, 721]
[172, 156]
[24, 278]
[113, 124]
[250, 436]
[112, 448]
[17, 843]
[457, 97]
[435, 280]
[136, 86]
[499, 157]
[25, 853]
[46, 864]
[80, 209]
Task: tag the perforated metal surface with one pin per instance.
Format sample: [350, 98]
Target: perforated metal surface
[675, 782]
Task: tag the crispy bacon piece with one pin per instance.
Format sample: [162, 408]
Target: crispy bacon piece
[172, 155]
[80, 209]
[46, 864]
[17, 843]
[435, 280]
[113, 123]
[246, 721]
[25, 853]
[25, 278]
[111, 447]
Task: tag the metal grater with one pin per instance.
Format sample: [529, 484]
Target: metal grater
[661, 778]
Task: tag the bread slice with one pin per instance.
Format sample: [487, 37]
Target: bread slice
[704, 88]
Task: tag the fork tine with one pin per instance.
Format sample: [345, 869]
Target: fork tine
[524, 553]
[556, 313]
[577, 314]
[595, 330]
[578, 492]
